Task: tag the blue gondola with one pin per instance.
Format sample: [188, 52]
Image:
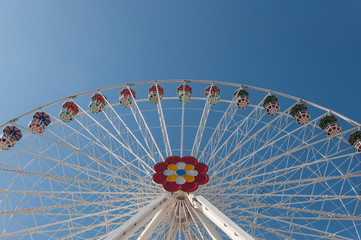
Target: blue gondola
[42, 118]
[12, 132]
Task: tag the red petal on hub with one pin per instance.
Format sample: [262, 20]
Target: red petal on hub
[160, 167]
[159, 178]
[172, 159]
[189, 187]
[201, 179]
[189, 160]
[171, 186]
[201, 168]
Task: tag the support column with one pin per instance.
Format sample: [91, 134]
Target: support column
[138, 220]
[219, 219]
[212, 231]
[153, 224]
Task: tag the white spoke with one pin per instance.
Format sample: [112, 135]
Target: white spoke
[116, 139]
[220, 129]
[76, 151]
[202, 124]
[163, 126]
[182, 123]
[144, 129]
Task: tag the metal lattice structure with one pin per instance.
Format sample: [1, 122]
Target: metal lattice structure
[270, 177]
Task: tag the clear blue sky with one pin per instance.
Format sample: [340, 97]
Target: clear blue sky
[53, 49]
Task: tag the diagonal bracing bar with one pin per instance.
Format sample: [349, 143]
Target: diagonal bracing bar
[219, 219]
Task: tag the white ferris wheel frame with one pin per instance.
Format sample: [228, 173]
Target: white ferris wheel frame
[150, 216]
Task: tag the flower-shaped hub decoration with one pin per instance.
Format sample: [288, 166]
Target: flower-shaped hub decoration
[177, 173]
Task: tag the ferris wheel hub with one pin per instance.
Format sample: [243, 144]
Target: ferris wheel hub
[177, 173]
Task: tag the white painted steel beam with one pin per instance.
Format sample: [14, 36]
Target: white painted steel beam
[202, 125]
[212, 231]
[168, 149]
[182, 124]
[153, 224]
[171, 234]
[138, 220]
[218, 218]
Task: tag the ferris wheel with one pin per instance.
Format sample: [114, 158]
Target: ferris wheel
[180, 159]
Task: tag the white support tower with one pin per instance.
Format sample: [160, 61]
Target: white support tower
[219, 219]
[178, 210]
[140, 219]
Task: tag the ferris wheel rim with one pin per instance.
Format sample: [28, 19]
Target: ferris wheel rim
[350, 121]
